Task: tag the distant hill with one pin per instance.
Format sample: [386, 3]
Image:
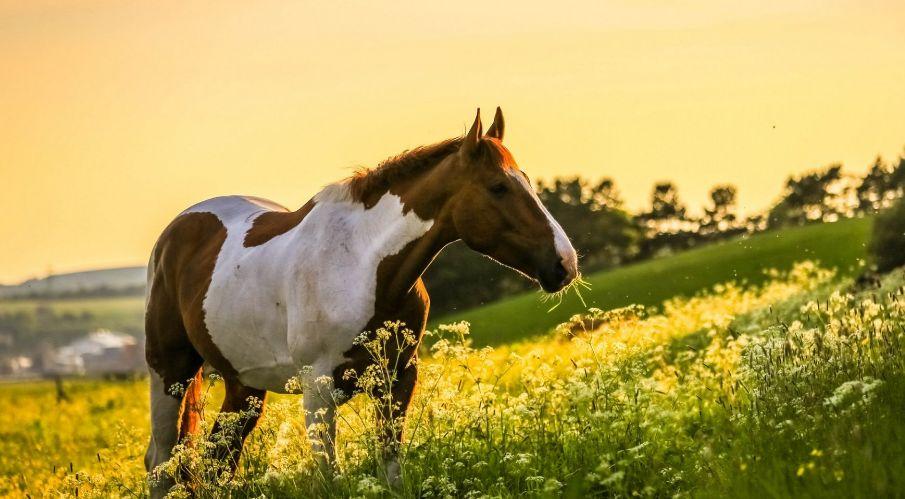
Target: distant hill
[124, 280]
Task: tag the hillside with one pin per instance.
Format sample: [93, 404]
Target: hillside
[839, 245]
[113, 280]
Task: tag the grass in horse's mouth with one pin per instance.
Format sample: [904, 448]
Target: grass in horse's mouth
[576, 285]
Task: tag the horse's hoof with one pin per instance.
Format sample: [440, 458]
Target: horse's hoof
[394, 474]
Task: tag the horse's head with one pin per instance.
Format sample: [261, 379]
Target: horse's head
[496, 212]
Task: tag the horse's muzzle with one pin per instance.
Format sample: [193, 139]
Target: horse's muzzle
[553, 278]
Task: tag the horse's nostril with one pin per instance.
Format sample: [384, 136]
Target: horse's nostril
[560, 272]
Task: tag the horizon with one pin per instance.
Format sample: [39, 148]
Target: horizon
[123, 115]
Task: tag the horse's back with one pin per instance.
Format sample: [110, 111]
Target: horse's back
[234, 208]
[196, 236]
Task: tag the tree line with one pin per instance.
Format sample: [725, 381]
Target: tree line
[605, 234]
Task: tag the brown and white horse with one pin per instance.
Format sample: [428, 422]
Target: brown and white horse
[260, 292]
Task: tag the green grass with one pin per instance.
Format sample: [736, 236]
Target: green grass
[112, 306]
[790, 389]
[839, 245]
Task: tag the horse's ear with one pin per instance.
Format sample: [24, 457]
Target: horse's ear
[474, 135]
[496, 129]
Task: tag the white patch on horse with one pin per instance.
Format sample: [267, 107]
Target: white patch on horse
[560, 240]
[302, 297]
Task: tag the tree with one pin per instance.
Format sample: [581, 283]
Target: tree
[896, 185]
[872, 190]
[720, 216]
[887, 243]
[665, 204]
[667, 213]
[808, 198]
[667, 226]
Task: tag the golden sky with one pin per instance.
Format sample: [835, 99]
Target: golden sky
[115, 115]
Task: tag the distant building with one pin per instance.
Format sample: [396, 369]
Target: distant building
[17, 365]
[102, 353]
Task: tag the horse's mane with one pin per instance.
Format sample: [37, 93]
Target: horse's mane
[366, 182]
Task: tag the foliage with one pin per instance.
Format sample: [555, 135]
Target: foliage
[720, 215]
[792, 388]
[887, 243]
[808, 198]
[828, 194]
[874, 186]
[665, 204]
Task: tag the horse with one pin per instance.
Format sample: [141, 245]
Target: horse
[261, 293]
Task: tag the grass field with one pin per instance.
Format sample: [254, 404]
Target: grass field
[120, 306]
[791, 388]
[840, 245]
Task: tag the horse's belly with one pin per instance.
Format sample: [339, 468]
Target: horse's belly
[269, 332]
[245, 315]
[254, 343]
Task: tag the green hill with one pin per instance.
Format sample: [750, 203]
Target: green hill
[101, 280]
[840, 245]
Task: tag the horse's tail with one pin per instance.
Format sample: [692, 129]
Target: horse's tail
[192, 407]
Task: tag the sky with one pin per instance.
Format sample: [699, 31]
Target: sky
[116, 115]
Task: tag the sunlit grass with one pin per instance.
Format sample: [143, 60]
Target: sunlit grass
[790, 388]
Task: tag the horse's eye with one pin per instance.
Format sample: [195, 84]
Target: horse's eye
[498, 189]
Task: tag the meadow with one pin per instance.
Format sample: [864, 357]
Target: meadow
[789, 387]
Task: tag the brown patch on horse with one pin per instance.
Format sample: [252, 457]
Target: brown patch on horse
[273, 223]
[183, 264]
[368, 185]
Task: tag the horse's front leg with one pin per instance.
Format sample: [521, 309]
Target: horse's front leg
[391, 418]
[320, 420]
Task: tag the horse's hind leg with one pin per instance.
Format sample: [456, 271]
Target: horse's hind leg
[239, 414]
[174, 415]
[175, 369]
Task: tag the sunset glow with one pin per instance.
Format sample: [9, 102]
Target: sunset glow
[115, 116]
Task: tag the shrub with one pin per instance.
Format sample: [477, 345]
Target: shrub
[887, 244]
